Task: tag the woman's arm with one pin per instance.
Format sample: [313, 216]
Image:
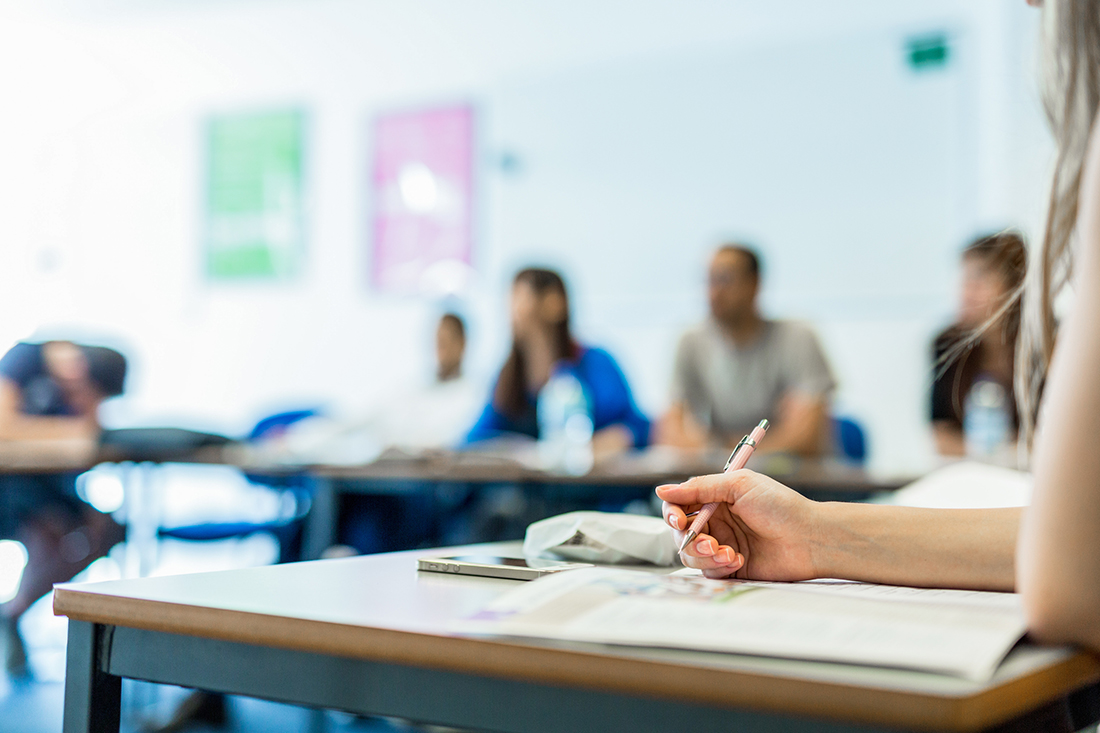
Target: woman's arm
[14, 425]
[679, 429]
[765, 531]
[799, 427]
[1059, 552]
[489, 425]
[612, 402]
[938, 548]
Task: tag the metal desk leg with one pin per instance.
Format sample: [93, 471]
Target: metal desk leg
[92, 696]
[319, 532]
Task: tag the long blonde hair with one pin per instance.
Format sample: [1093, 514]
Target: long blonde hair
[1071, 95]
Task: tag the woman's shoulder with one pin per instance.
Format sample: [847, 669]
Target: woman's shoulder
[949, 338]
[22, 361]
[595, 360]
[593, 355]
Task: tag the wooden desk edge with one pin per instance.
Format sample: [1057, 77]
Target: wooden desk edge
[647, 479]
[581, 669]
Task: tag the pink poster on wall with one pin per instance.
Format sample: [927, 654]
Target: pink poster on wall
[423, 199]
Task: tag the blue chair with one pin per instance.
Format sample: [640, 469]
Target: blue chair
[851, 440]
[274, 424]
[286, 530]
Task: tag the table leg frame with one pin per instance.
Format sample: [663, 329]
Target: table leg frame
[93, 696]
[319, 532]
[99, 656]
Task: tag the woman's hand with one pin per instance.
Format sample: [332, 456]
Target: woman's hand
[761, 530]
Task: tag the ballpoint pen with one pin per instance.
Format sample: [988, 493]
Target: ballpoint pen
[737, 460]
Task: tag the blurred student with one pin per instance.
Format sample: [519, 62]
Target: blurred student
[543, 345]
[52, 391]
[434, 416]
[980, 348]
[438, 414]
[737, 368]
[450, 347]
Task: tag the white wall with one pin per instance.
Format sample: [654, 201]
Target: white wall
[833, 156]
[646, 132]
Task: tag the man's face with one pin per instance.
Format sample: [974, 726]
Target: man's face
[731, 286]
[449, 345]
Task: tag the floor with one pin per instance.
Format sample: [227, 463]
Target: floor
[36, 708]
[184, 494]
[34, 705]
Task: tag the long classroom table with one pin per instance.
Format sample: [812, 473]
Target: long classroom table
[372, 635]
[631, 476]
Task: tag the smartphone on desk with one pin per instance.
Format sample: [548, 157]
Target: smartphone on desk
[495, 566]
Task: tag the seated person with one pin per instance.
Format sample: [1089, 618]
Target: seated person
[543, 344]
[434, 416]
[738, 368]
[981, 345]
[437, 414]
[51, 391]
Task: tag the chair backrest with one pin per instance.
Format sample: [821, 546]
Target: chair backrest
[270, 427]
[851, 440]
[272, 424]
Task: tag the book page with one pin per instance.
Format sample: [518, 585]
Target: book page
[961, 633]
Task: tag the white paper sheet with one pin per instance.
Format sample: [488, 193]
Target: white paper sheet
[961, 633]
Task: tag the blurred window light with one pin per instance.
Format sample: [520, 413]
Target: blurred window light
[13, 558]
[419, 189]
[105, 568]
[103, 490]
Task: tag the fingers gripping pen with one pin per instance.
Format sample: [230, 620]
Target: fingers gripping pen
[737, 460]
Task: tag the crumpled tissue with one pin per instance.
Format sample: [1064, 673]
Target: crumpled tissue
[603, 537]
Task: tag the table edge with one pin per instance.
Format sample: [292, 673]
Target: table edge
[588, 670]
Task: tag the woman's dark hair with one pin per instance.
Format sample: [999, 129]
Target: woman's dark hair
[510, 396]
[1005, 254]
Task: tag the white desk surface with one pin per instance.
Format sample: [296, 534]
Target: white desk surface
[381, 608]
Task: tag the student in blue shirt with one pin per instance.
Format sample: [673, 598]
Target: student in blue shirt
[543, 345]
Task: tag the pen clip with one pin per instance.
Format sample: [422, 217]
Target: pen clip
[743, 442]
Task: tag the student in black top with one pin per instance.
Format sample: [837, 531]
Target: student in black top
[51, 391]
[993, 267]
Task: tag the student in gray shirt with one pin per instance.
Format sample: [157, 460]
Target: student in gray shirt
[737, 368]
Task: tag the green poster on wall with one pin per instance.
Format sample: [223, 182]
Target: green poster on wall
[254, 197]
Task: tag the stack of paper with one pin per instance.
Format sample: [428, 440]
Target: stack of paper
[962, 633]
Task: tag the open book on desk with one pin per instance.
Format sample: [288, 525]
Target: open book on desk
[961, 633]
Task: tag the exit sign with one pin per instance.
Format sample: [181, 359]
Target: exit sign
[928, 52]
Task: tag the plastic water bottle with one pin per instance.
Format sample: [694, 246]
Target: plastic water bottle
[987, 426]
[565, 425]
